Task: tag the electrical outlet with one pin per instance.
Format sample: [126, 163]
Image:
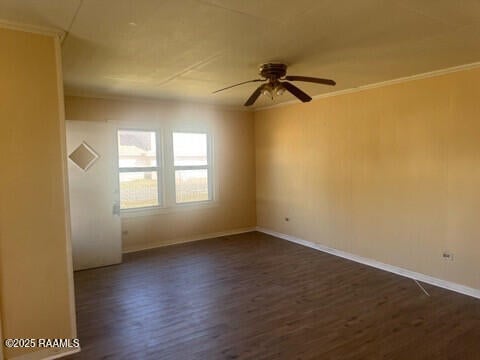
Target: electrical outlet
[446, 255]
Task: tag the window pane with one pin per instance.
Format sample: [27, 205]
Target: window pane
[191, 185]
[137, 148]
[189, 149]
[138, 189]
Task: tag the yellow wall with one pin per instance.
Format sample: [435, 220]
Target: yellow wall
[391, 173]
[234, 167]
[35, 267]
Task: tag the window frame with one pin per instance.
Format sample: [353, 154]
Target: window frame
[159, 169]
[166, 173]
[208, 167]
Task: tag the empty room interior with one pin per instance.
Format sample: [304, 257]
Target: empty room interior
[240, 179]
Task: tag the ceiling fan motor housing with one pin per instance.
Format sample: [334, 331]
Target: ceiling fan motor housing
[273, 71]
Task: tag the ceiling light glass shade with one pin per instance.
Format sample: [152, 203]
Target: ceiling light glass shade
[268, 91]
[279, 90]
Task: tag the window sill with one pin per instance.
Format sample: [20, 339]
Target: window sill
[158, 210]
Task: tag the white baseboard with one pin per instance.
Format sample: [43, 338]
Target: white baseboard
[462, 289]
[47, 354]
[189, 239]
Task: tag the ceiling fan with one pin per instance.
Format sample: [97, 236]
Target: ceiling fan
[276, 82]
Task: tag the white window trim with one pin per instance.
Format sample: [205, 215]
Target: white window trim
[166, 172]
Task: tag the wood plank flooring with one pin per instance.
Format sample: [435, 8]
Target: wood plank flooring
[253, 296]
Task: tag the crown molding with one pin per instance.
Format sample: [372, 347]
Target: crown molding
[35, 29]
[153, 100]
[400, 80]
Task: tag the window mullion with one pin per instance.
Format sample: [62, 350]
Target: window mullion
[169, 170]
[160, 168]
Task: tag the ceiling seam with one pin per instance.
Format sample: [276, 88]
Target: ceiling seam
[189, 68]
[208, 3]
[67, 32]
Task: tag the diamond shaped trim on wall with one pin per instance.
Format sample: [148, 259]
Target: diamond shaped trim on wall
[84, 156]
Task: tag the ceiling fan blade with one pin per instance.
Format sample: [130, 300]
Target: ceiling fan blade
[251, 100]
[295, 91]
[231, 86]
[310, 79]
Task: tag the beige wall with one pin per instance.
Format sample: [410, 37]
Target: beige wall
[391, 173]
[234, 167]
[36, 297]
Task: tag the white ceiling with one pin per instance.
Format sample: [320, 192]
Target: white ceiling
[189, 48]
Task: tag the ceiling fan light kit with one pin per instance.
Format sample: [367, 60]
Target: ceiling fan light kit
[271, 91]
[276, 81]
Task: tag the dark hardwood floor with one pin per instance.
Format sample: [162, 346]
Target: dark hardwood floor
[253, 296]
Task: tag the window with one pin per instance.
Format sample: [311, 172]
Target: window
[150, 180]
[191, 167]
[139, 169]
